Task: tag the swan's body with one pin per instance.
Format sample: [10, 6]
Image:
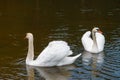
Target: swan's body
[55, 54]
[94, 44]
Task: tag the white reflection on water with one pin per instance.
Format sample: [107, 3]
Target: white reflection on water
[49, 73]
[92, 58]
[95, 60]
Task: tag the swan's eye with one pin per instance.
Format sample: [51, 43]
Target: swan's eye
[97, 29]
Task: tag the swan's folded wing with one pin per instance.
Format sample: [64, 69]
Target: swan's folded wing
[70, 52]
[100, 41]
[53, 54]
[87, 41]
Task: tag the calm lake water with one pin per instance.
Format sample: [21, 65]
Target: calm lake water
[64, 20]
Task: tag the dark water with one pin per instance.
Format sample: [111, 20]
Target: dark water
[58, 20]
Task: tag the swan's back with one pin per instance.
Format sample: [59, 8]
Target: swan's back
[53, 53]
[100, 41]
[87, 41]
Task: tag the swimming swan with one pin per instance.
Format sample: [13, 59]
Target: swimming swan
[55, 54]
[94, 44]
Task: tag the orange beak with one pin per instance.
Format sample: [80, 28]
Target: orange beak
[25, 37]
[100, 31]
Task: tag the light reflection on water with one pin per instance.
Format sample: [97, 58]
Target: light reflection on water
[89, 58]
[66, 22]
[53, 73]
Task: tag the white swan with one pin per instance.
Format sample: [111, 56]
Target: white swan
[94, 44]
[55, 54]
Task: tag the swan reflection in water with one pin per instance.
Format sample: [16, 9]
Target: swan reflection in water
[95, 61]
[49, 73]
[92, 58]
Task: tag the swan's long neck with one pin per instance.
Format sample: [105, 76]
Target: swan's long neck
[30, 54]
[95, 46]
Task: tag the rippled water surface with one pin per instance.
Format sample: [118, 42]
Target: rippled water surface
[59, 20]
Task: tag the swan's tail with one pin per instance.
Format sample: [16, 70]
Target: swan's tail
[75, 57]
[68, 60]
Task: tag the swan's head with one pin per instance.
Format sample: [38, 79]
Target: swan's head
[29, 35]
[96, 29]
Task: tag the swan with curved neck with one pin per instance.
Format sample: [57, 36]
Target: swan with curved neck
[94, 44]
[55, 54]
